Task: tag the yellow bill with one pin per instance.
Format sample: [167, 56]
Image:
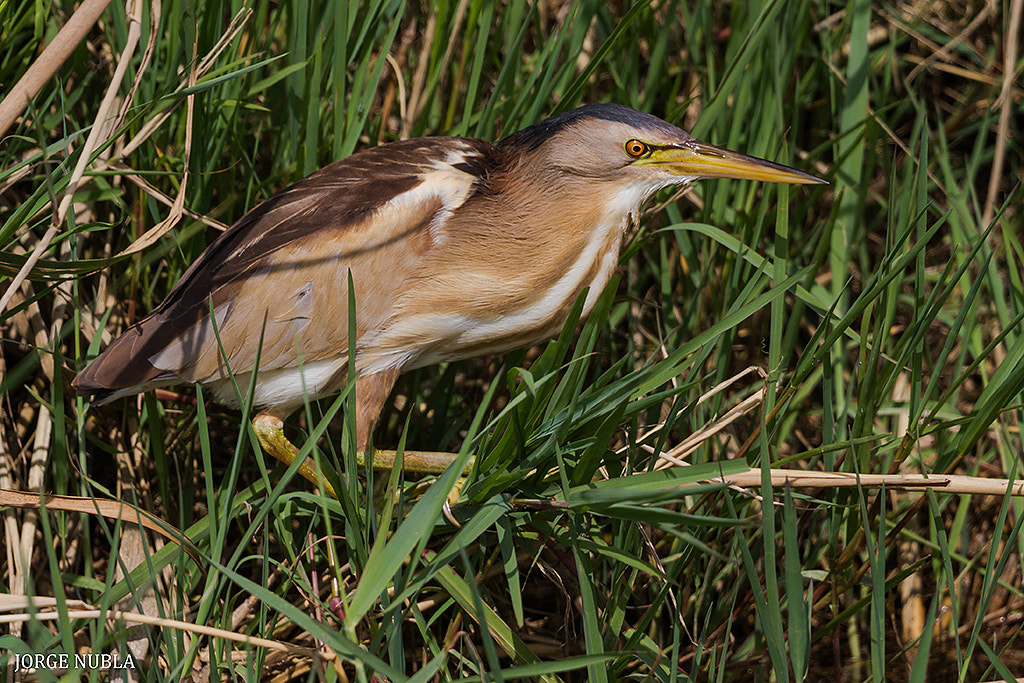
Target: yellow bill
[695, 159]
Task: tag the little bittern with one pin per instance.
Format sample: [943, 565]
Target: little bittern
[456, 247]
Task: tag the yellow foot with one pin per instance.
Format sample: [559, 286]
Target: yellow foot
[422, 462]
[270, 433]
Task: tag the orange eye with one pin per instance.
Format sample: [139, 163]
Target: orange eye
[636, 149]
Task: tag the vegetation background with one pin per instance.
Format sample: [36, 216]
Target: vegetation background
[871, 326]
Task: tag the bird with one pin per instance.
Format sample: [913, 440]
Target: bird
[455, 247]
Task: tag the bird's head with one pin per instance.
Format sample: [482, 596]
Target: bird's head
[634, 152]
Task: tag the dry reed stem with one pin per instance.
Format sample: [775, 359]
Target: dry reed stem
[51, 59]
[152, 235]
[1004, 102]
[133, 10]
[945, 483]
[42, 608]
[111, 509]
[132, 175]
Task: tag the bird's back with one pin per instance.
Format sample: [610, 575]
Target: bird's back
[277, 281]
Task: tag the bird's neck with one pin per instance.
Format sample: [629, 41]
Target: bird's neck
[574, 236]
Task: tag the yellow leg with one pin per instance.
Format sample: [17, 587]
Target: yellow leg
[372, 392]
[270, 433]
[421, 462]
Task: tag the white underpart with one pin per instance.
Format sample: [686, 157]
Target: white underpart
[288, 387]
[445, 183]
[461, 331]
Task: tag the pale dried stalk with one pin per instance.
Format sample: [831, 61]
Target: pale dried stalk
[81, 610]
[133, 9]
[403, 109]
[111, 509]
[419, 77]
[151, 126]
[12, 542]
[21, 533]
[160, 197]
[710, 393]
[177, 208]
[948, 51]
[24, 537]
[47, 64]
[26, 534]
[416, 99]
[147, 57]
[1005, 109]
[689, 445]
[945, 483]
[912, 611]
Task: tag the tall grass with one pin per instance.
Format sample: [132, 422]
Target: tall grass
[871, 326]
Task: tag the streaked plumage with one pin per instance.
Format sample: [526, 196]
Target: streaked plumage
[457, 247]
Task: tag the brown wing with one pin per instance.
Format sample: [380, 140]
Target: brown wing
[276, 281]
